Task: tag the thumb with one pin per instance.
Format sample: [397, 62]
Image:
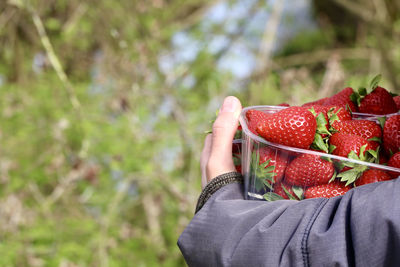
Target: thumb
[223, 132]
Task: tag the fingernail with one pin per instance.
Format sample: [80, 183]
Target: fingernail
[230, 104]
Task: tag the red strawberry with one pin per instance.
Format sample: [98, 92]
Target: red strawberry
[236, 146]
[308, 170]
[277, 159]
[238, 168]
[342, 99]
[394, 161]
[379, 101]
[383, 160]
[284, 105]
[372, 176]
[292, 126]
[317, 102]
[279, 188]
[364, 128]
[342, 144]
[391, 134]
[333, 189]
[397, 101]
[254, 117]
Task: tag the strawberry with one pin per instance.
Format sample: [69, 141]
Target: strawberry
[366, 129]
[292, 126]
[342, 99]
[238, 168]
[333, 189]
[379, 101]
[237, 155]
[383, 160]
[284, 105]
[391, 134]
[394, 161]
[397, 101]
[317, 102]
[274, 158]
[342, 144]
[372, 176]
[308, 170]
[236, 146]
[254, 117]
[288, 192]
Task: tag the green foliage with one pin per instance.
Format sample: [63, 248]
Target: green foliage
[99, 161]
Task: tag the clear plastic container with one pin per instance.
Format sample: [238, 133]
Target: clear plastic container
[303, 173]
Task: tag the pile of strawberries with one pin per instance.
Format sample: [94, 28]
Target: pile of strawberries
[329, 126]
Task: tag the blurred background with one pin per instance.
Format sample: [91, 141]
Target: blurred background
[104, 105]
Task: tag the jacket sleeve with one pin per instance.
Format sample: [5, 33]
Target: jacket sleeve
[361, 228]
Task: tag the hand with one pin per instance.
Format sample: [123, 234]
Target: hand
[216, 157]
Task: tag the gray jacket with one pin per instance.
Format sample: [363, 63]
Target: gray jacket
[361, 228]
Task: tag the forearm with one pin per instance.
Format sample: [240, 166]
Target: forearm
[231, 230]
[360, 228]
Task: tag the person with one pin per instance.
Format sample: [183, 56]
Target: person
[360, 228]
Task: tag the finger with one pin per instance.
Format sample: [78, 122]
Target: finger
[205, 155]
[224, 129]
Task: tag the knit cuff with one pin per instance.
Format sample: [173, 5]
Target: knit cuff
[215, 184]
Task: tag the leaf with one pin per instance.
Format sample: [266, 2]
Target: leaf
[319, 143]
[334, 117]
[375, 81]
[265, 164]
[267, 184]
[362, 91]
[349, 109]
[298, 191]
[352, 175]
[237, 161]
[382, 121]
[333, 177]
[258, 183]
[331, 148]
[312, 110]
[288, 193]
[272, 196]
[376, 139]
[321, 124]
[353, 155]
[355, 98]
[362, 152]
[373, 153]
[326, 158]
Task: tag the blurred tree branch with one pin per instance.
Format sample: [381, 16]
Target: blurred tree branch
[55, 62]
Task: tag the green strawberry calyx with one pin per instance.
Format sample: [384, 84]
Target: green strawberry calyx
[356, 97]
[270, 196]
[375, 81]
[350, 176]
[264, 176]
[320, 143]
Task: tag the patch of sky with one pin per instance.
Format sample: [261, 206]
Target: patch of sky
[240, 61]
[168, 157]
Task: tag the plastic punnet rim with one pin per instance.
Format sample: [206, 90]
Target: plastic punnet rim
[245, 129]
